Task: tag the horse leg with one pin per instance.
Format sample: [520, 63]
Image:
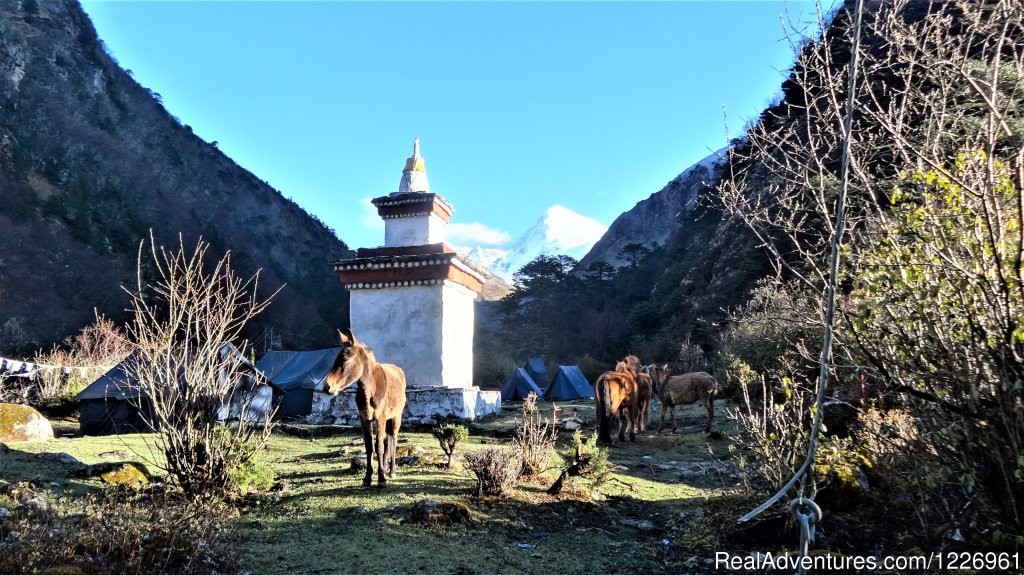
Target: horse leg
[673, 418]
[382, 451]
[367, 427]
[632, 416]
[397, 423]
[661, 423]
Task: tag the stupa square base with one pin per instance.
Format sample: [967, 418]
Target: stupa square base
[423, 405]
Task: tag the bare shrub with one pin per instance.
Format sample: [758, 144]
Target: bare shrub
[772, 431]
[534, 437]
[448, 437]
[690, 357]
[183, 318]
[496, 470]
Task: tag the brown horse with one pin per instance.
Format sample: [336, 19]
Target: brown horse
[644, 388]
[682, 390]
[380, 397]
[615, 393]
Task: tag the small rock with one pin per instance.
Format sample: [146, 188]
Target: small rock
[525, 545]
[37, 502]
[125, 474]
[65, 458]
[572, 425]
[408, 460]
[641, 524]
[54, 484]
[439, 512]
[4, 512]
[118, 454]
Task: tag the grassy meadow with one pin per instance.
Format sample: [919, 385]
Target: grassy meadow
[319, 519]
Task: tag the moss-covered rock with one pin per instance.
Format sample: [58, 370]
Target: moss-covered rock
[23, 423]
[126, 474]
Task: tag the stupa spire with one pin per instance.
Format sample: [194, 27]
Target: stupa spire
[414, 177]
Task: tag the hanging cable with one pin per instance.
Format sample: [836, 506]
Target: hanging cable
[805, 510]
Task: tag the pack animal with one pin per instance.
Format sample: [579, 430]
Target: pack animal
[644, 387]
[683, 390]
[615, 393]
[380, 397]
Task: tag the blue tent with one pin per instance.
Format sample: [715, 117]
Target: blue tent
[536, 369]
[518, 386]
[569, 383]
[297, 374]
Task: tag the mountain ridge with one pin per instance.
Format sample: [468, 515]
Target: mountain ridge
[90, 161]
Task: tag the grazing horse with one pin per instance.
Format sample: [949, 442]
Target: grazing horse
[380, 397]
[615, 393]
[682, 390]
[644, 388]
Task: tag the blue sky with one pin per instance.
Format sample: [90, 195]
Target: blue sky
[519, 105]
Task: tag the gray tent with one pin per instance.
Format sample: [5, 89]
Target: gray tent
[518, 386]
[115, 403]
[536, 369]
[569, 383]
[297, 374]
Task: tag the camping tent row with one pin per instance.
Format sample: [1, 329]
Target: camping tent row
[569, 383]
[285, 380]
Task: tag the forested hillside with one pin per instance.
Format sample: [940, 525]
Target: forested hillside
[90, 161]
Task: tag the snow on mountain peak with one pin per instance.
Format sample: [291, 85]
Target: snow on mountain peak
[559, 231]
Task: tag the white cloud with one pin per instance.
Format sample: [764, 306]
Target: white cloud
[370, 219]
[475, 233]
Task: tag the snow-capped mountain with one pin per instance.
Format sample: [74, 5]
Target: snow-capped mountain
[559, 231]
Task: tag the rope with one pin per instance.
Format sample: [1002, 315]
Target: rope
[830, 297]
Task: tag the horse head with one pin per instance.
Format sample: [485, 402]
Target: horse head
[352, 363]
[659, 376]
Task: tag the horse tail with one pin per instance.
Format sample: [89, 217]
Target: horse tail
[604, 408]
[606, 402]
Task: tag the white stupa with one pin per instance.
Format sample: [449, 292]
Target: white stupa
[412, 301]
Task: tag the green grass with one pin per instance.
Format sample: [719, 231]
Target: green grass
[326, 522]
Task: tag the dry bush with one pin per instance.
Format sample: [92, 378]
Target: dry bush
[496, 470]
[86, 356]
[772, 432]
[115, 532]
[183, 318]
[690, 357]
[534, 437]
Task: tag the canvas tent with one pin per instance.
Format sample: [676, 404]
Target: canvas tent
[536, 369]
[569, 383]
[253, 397]
[115, 403]
[518, 386]
[297, 374]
